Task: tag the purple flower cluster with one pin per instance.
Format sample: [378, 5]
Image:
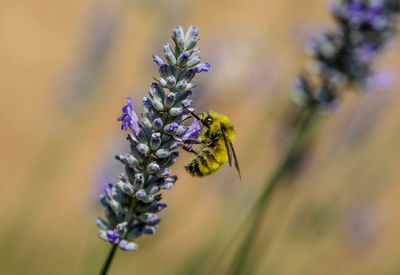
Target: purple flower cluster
[133, 202]
[346, 54]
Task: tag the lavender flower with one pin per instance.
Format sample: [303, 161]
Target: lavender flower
[133, 203]
[202, 67]
[129, 117]
[346, 54]
[112, 236]
[193, 131]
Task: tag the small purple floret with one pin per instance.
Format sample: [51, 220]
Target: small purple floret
[129, 117]
[193, 131]
[202, 67]
[173, 127]
[112, 236]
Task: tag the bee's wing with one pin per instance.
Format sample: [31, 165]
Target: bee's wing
[229, 149]
[227, 146]
[235, 158]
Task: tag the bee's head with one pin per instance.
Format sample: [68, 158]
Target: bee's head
[206, 120]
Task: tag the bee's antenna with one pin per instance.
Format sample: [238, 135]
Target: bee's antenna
[196, 117]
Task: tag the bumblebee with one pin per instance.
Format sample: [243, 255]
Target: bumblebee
[215, 140]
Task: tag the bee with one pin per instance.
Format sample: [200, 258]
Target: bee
[216, 149]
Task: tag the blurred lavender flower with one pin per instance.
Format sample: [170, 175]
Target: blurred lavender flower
[132, 204]
[346, 54]
[381, 81]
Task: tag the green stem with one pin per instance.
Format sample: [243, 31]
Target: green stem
[259, 208]
[109, 260]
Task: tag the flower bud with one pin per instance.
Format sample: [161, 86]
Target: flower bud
[135, 232]
[157, 105]
[140, 194]
[158, 60]
[164, 172]
[143, 148]
[166, 162]
[189, 75]
[169, 100]
[183, 59]
[164, 71]
[171, 81]
[127, 246]
[103, 235]
[157, 124]
[193, 61]
[187, 102]
[146, 122]
[147, 199]
[155, 141]
[125, 187]
[162, 82]
[169, 55]
[178, 37]
[170, 129]
[169, 183]
[152, 168]
[149, 218]
[115, 205]
[160, 206]
[181, 130]
[176, 111]
[153, 190]
[171, 179]
[102, 224]
[158, 91]
[149, 230]
[162, 153]
[131, 160]
[167, 186]
[191, 37]
[139, 180]
[181, 86]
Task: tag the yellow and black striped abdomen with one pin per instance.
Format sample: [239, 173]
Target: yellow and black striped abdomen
[208, 160]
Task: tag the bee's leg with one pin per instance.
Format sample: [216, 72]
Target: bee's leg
[191, 141]
[190, 150]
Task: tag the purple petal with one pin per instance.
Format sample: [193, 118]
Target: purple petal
[202, 67]
[193, 131]
[129, 117]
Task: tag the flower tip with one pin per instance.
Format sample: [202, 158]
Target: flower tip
[202, 67]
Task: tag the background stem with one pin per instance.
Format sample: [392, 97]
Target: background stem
[258, 211]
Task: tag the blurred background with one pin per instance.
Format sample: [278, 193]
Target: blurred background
[67, 67]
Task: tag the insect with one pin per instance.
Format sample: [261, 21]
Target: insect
[216, 149]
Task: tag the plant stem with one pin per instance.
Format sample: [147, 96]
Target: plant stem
[259, 208]
[109, 260]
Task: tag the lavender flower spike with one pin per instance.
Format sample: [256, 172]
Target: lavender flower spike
[129, 117]
[133, 204]
[345, 55]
